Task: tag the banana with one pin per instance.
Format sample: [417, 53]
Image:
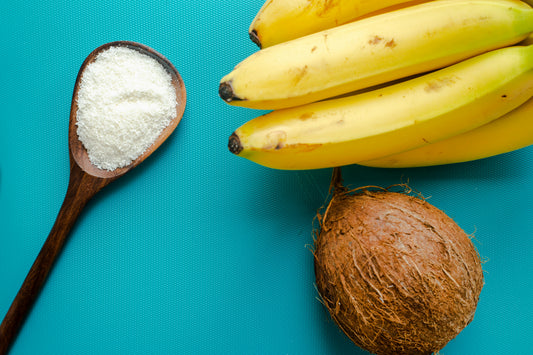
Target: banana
[527, 41]
[282, 20]
[374, 50]
[510, 132]
[392, 119]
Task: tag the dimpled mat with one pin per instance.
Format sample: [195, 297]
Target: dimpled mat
[197, 251]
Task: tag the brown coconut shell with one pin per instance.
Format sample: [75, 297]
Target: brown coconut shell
[397, 275]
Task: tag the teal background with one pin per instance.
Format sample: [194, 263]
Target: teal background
[198, 251]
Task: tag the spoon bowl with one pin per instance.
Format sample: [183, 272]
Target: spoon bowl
[85, 181]
[78, 151]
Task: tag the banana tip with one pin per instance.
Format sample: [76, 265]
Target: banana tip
[234, 144]
[255, 38]
[225, 91]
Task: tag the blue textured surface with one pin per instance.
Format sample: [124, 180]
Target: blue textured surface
[198, 251]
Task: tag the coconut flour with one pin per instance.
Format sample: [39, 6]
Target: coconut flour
[125, 100]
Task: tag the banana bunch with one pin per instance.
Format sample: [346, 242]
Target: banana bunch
[408, 86]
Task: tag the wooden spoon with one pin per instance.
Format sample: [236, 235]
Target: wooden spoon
[85, 181]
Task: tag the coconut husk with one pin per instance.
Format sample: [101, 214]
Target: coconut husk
[397, 275]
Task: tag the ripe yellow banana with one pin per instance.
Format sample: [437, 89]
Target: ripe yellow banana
[512, 131]
[392, 119]
[282, 20]
[373, 51]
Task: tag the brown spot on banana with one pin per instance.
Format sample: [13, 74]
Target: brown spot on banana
[436, 85]
[390, 44]
[298, 74]
[306, 115]
[324, 6]
[375, 40]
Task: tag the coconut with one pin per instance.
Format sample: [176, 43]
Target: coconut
[397, 275]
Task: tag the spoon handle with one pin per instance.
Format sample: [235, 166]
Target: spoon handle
[81, 188]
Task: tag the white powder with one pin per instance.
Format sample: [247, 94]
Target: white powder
[125, 100]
